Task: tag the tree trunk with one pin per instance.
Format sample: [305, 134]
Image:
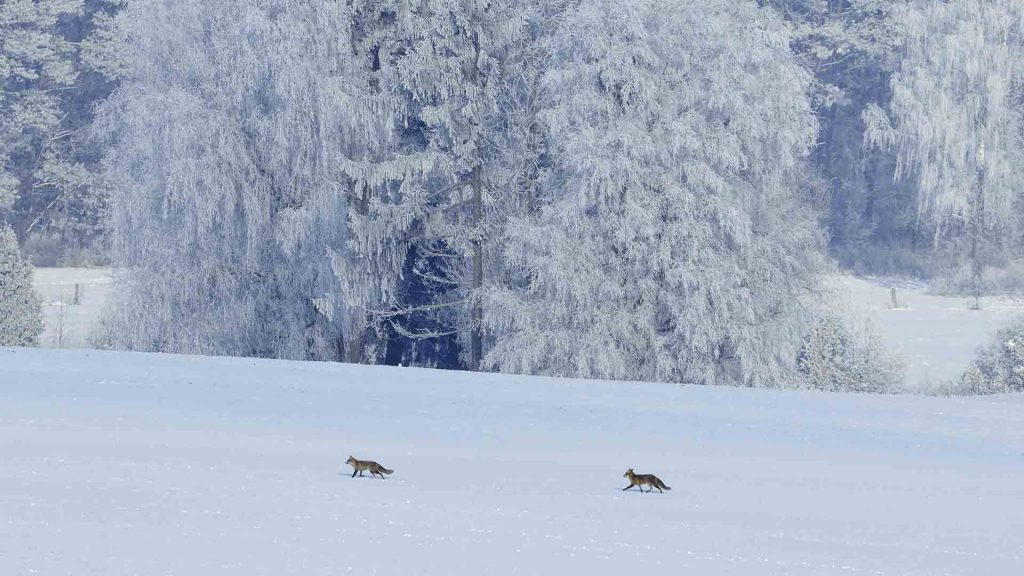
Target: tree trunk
[977, 231]
[475, 339]
[353, 349]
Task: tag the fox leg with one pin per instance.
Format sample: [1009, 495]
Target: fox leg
[354, 473]
[630, 486]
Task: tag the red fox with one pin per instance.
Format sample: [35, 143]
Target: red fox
[641, 479]
[373, 467]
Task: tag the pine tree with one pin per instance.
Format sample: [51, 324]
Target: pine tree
[852, 49]
[21, 318]
[453, 72]
[35, 66]
[55, 65]
[672, 244]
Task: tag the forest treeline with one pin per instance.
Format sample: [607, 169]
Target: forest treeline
[643, 190]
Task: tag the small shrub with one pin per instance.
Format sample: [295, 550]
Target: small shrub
[838, 357]
[1000, 364]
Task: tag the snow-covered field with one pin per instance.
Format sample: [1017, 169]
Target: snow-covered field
[68, 324]
[937, 336]
[119, 463]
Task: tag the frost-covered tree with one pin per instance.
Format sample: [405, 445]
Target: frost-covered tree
[459, 50]
[35, 66]
[21, 318]
[851, 48]
[54, 67]
[955, 121]
[672, 245]
[233, 140]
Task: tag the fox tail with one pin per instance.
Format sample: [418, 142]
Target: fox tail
[386, 471]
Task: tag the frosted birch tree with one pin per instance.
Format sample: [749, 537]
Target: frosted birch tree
[671, 245]
[955, 121]
[233, 140]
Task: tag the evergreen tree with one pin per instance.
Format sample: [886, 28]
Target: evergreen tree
[454, 73]
[672, 245]
[35, 66]
[55, 65]
[851, 47]
[21, 318]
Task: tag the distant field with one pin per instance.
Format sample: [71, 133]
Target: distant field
[936, 335]
[67, 324]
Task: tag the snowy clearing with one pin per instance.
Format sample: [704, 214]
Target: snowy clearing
[937, 336]
[68, 324]
[120, 463]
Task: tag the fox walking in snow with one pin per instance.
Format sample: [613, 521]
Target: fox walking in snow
[373, 467]
[642, 479]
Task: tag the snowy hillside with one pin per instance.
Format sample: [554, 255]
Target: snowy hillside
[118, 463]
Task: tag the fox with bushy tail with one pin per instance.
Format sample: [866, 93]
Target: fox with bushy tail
[359, 466]
[642, 480]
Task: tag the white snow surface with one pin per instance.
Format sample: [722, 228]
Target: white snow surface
[144, 464]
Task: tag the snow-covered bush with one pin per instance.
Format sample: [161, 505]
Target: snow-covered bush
[1000, 364]
[21, 319]
[839, 357]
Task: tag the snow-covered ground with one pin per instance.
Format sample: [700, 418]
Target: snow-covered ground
[68, 324]
[937, 336]
[119, 463]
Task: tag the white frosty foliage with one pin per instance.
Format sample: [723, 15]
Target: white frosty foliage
[228, 138]
[35, 66]
[840, 357]
[999, 367]
[673, 247]
[21, 319]
[956, 117]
